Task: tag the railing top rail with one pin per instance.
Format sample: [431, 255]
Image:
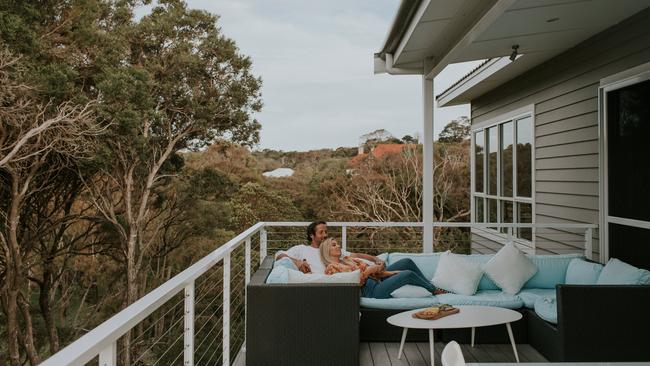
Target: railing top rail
[442, 224]
[92, 343]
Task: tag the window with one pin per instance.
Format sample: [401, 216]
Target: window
[503, 173]
[626, 115]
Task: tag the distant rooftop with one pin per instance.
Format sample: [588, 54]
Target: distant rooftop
[279, 173]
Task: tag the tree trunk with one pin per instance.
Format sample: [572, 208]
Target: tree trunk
[11, 310]
[32, 354]
[44, 301]
[13, 272]
[131, 286]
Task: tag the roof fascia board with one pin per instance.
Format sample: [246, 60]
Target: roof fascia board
[411, 28]
[479, 27]
[472, 80]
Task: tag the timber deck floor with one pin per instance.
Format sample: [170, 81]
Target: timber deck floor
[417, 354]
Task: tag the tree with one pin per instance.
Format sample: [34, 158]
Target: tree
[408, 139]
[390, 189]
[39, 138]
[176, 83]
[456, 130]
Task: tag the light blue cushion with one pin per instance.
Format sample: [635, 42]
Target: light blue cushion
[529, 296]
[427, 263]
[286, 263]
[484, 298]
[546, 308]
[581, 272]
[398, 304]
[617, 272]
[551, 269]
[279, 274]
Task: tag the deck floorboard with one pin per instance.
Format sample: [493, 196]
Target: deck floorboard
[417, 354]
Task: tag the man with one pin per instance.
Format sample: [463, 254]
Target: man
[307, 257]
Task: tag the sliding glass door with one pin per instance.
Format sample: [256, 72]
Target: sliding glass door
[627, 172]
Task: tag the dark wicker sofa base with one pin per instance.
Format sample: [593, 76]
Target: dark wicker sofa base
[596, 323]
[374, 328]
[301, 324]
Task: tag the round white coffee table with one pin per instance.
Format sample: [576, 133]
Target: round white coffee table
[468, 317]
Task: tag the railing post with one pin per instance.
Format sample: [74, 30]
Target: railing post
[108, 356]
[344, 237]
[509, 234]
[226, 310]
[262, 244]
[188, 326]
[247, 263]
[248, 279]
[588, 243]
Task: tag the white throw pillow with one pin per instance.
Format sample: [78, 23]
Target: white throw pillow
[456, 274]
[510, 269]
[342, 277]
[410, 291]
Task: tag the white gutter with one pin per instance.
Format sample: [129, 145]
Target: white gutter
[382, 67]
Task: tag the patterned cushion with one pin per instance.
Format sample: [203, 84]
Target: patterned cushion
[484, 298]
[398, 304]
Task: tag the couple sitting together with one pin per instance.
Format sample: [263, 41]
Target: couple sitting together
[325, 255]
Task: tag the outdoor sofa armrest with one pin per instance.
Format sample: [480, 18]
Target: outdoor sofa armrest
[604, 322]
[301, 324]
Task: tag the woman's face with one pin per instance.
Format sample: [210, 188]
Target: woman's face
[335, 249]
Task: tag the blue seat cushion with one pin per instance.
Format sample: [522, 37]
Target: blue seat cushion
[398, 303]
[529, 296]
[546, 308]
[551, 269]
[483, 297]
[279, 274]
[426, 262]
[286, 263]
[581, 272]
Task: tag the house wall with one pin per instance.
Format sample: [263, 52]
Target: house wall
[564, 91]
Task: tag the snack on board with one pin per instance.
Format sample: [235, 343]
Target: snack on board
[436, 312]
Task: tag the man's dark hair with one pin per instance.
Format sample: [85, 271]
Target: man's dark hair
[311, 229]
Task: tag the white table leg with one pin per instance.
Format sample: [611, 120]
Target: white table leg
[473, 332]
[512, 341]
[401, 345]
[431, 346]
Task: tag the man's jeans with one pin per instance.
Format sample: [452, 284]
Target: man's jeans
[409, 274]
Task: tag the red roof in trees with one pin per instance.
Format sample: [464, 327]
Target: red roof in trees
[379, 152]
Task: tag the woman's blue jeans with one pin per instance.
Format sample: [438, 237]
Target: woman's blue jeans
[409, 274]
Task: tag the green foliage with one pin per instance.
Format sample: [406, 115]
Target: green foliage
[455, 131]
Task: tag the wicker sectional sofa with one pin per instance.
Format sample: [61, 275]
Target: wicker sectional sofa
[564, 322]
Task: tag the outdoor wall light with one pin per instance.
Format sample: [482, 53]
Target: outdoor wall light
[513, 55]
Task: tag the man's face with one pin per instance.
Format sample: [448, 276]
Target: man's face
[320, 233]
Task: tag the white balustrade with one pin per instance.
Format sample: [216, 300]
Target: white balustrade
[102, 341]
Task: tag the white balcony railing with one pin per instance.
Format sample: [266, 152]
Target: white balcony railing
[199, 314]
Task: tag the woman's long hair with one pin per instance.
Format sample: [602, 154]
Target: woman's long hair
[325, 256]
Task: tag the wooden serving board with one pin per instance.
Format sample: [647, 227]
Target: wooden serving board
[440, 314]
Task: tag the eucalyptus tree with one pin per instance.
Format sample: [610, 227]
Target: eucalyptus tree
[175, 83]
[38, 139]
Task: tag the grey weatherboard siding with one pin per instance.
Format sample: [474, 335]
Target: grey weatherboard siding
[564, 91]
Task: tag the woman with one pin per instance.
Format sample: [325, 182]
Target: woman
[377, 280]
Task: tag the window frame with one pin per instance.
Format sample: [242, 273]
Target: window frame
[614, 82]
[492, 234]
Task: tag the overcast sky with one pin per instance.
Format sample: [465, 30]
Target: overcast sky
[315, 60]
